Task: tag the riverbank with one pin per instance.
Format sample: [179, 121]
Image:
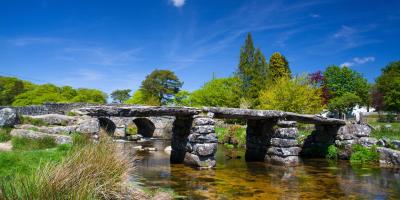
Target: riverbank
[41, 169]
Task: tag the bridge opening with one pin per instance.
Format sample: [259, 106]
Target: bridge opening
[107, 125]
[144, 127]
[180, 132]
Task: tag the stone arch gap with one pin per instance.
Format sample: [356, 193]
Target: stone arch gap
[107, 125]
[145, 127]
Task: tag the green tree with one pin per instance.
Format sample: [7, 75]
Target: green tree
[162, 85]
[278, 68]
[120, 96]
[10, 88]
[39, 95]
[182, 98]
[344, 104]
[90, 96]
[295, 95]
[343, 80]
[388, 84]
[217, 92]
[252, 71]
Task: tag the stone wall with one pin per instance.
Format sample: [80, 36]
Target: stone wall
[47, 108]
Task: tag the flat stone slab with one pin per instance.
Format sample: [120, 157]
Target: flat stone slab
[60, 139]
[287, 161]
[280, 142]
[388, 157]
[137, 111]
[284, 151]
[268, 114]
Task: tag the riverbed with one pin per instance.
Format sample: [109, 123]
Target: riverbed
[233, 178]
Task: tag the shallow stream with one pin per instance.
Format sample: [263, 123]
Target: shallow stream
[237, 179]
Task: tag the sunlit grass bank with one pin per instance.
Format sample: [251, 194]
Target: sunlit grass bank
[88, 170]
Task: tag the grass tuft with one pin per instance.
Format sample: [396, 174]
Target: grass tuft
[364, 155]
[25, 144]
[97, 170]
[332, 152]
[32, 121]
[5, 134]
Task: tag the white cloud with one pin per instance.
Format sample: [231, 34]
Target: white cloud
[25, 41]
[314, 15]
[358, 61]
[178, 3]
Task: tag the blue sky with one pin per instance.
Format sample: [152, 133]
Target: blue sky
[114, 44]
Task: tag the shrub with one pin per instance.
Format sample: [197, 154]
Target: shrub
[332, 152]
[233, 134]
[33, 121]
[5, 134]
[364, 155]
[95, 171]
[21, 143]
[131, 130]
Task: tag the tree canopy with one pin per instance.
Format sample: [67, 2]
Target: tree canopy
[388, 85]
[217, 92]
[292, 95]
[161, 85]
[252, 71]
[278, 68]
[120, 96]
[17, 92]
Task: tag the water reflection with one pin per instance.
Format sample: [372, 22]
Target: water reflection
[237, 179]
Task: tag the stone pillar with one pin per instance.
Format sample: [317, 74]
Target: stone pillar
[258, 135]
[202, 142]
[284, 146]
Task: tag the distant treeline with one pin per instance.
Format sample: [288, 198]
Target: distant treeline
[16, 92]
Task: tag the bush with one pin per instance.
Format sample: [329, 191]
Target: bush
[131, 130]
[32, 121]
[80, 139]
[21, 143]
[95, 171]
[364, 155]
[5, 134]
[332, 152]
[232, 134]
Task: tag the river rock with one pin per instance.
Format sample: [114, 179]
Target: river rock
[55, 119]
[350, 130]
[286, 124]
[388, 157]
[280, 142]
[8, 117]
[284, 152]
[203, 138]
[396, 144]
[199, 161]
[205, 129]
[88, 126]
[288, 161]
[205, 149]
[203, 121]
[288, 133]
[60, 139]
[367, 141]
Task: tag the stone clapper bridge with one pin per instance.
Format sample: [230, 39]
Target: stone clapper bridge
[270, 134]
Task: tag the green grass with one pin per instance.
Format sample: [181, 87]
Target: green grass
[32, 121]
[364, 155]
[26, 144]
[131, 130]
[395, 125]
[5, 134]
[97, 170]
[232, 134]
[25, 162]
[332, 152]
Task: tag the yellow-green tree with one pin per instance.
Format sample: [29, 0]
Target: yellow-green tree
[278, 68]
[292, 95]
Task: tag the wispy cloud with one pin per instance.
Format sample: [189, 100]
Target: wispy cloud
[178, 3]
[313, 15]
[358, 61]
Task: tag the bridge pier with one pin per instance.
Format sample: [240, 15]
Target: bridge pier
[284, 146]
[202, 142]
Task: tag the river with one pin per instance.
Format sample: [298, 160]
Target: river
[237, 179]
